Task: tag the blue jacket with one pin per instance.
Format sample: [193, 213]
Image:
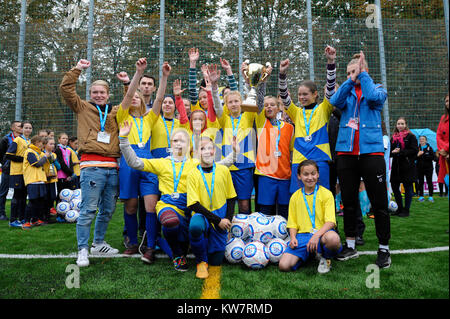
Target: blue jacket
[369, 114]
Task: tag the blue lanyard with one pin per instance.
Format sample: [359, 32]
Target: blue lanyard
[423, 147]
[26, 140]
[176, 179]
[312, 216]
[102, 118]
[279, 134]
[167, 130]
[139, 129]
[308, 124]
[210, 192]
[235, 129]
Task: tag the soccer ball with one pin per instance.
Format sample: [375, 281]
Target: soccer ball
[76, 194]
[262, 229]
[279, 227]
[234, 250]
[393, 206]
[240, 226]
[71, 216]
[276, 248]
[75, 204]
[66, 195]
[62, 208]
[256, 255]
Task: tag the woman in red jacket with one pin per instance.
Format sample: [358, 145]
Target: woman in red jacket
[442, 144]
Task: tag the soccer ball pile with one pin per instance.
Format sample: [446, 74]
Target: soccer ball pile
[69, 207]
[256, 239]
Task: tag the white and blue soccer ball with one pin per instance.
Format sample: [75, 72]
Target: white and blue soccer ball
[76, 194]
[276, 248]
[279, 227]
[71, 216]
[240, 226]
[62, 208]
[392, 206]
[66, 195]
[75, 204]
[262, 229]
[256, 255]
[234, 250]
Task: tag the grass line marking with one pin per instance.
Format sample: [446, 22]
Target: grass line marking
[74, 255]
[211, 285]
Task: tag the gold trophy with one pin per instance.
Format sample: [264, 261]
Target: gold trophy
[256, 74]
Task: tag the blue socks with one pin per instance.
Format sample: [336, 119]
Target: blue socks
[131, 225]
[151, 224]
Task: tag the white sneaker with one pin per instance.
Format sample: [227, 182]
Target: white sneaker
[83, 260]
[103, 249]
[324, 265]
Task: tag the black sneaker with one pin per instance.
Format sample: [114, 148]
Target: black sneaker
[383, 258]
[359, 241]
[347, 253]
[180, 263]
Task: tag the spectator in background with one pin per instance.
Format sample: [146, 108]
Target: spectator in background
[443, 146]
[425, 158]
[16, 130]
[404, 148]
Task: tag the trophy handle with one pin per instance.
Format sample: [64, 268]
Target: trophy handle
[265, 75]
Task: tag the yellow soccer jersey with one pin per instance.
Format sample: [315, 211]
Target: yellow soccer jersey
[51, 171]
[223, 189]
[298, 214]
[161, 132]
[31, 173]
[162, 167]
[210, 124]
[246, 137]
[317, 148]
[76, 162]
[18, 148]
[145, 123]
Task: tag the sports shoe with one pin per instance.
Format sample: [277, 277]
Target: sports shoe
[202, 270]
[15, 224]
[103, 249]
[60, 219]
[421, 199]
[383, 258]
[359, 241]
[430, 199]
[83, 260]
[132, 250]
[53, 211]
[347, 253]
[3, 217]
[324, 264]
[27, 226]
[180, 263]
[149, 256]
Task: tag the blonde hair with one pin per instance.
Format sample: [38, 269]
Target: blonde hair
[355, 59]
[226, 97]
[100, 83]
[142, 108]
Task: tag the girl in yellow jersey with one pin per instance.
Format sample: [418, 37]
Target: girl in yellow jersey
[311, 223]
[240, 126]
[15, 153]
[135, 183]
[172, 172]
[51, 169]
[35, 178]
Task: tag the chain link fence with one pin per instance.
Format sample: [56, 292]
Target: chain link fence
[413, 48]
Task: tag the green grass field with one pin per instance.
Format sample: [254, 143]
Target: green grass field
[411, 276]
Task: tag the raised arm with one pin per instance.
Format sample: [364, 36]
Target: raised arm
[193, 58]
[141, 65]
[179, 104]
[68, 85]
[330, 53]
[214, 75]
[230, 76]
[282, 83]
[156, 108]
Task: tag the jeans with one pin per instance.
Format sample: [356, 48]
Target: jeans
[4, 189]
[100, 189]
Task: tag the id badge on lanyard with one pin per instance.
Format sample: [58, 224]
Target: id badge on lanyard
[102, 136]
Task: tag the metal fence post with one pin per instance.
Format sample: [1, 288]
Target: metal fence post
[382, 62]
[446, 25]
[241, 57]
[89, 47]
[310, 40]
[161, 36]
[20, 58]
